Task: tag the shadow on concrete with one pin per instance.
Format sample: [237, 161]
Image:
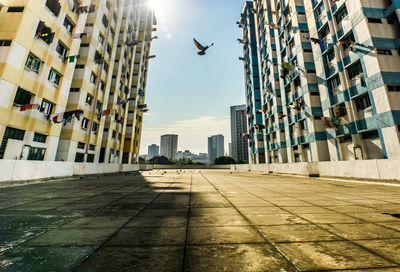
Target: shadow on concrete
[150, 222]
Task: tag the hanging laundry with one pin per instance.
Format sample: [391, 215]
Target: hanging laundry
[122, 102]
[151, 38]
[240, 24]
[326, 121]
[259, 127]
[295, 29]
[317, 41]
[29, 107]
[245, 135]
[245, 42]
[132, 43]
[273, 26]
[287, 65]
[263, 111]
[144, 110]
[79, 35]
[72, 59]
[141, 93]
[86, 9]
[151, 57]
[143, 106]
[57, 118]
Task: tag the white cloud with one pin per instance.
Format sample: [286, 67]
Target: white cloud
[192, 133]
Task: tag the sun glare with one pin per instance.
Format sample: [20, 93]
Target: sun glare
[156, 5]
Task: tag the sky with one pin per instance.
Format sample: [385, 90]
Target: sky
[188, 94]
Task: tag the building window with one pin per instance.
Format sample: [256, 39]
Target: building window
[341, 15]
[84, 45]
[330, 55]
[89, 99]
[384, 51]
[90, 158]
[101, 86]
[79, 157]
[84, 124]
[54, 6]
[46, 107]
[95, 127]
[354, 70]
[36, 154]
[93, 78]
[374, 20]
[372, 134]
[61, 49]
[334, 82]
[40, 138]
[79, 66]
[10, 133]
[105, 66]
[99, 106]
[345, 139]
[347, 41]
[5, 42]
[393, 88]
[32, 63]
[391, 19]
[363, 102]
[104, 21]
[22, 97]
[68, 25]
[43, 32]
[114, 134]
[74, 90]
[54, 77]
[108, 48]
[81, 145]
[101, 39]
[15, 9]
[92, 147]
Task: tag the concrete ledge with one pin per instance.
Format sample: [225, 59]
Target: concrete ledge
[380, 170]
[194, 166]
[22, 170]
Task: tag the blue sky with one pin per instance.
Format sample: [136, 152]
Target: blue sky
[188, 94]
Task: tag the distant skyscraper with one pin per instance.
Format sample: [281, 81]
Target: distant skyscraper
[169, 146]
[153, 150]
[215, 147]
[239, 149]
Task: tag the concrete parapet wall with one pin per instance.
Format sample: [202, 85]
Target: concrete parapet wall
[195, 166]
[20, 170]
[359, 169]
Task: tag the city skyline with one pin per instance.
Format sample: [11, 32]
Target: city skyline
[199, 105]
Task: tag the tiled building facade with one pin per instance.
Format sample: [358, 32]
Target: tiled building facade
[81, 60]
[329, 76]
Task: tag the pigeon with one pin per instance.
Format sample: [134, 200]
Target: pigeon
[201, 48]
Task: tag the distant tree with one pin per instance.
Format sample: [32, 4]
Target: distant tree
[242, 162]
[224, 160]
[142, 160]
[184, 162]
[160, 160]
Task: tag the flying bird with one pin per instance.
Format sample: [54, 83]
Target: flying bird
[202, 49]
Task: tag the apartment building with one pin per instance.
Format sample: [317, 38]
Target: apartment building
[357, 55]
[252, 84]
[72, 98]
[215, 147]
[328, 79]
[238, 149]
[36, 39]
[169, 146]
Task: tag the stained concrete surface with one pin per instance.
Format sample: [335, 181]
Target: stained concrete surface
[212, 220]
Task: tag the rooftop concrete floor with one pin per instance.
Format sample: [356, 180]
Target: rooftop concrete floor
[199, 221]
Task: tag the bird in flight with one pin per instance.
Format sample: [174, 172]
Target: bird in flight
[202, 49]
